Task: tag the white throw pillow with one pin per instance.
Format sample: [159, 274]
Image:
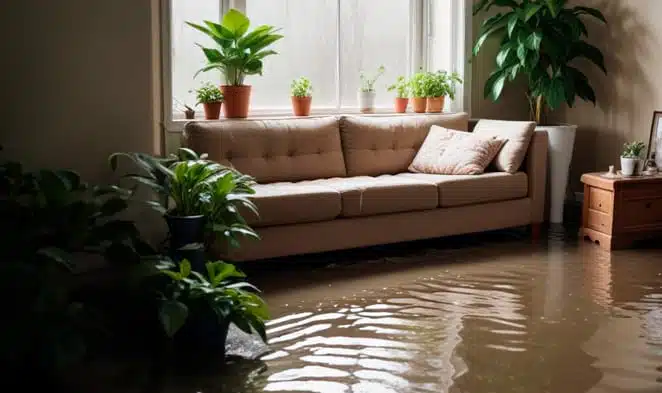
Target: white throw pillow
[518, 136]
[450, 152]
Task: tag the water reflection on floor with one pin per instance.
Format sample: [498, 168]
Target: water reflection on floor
[471, 314]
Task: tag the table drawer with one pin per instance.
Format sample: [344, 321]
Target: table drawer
[642, 191]
[601, 200]
[599, 221]
[641, 212]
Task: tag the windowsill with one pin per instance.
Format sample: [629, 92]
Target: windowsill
[177, 124]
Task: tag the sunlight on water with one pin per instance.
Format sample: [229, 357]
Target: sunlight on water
[556, 320]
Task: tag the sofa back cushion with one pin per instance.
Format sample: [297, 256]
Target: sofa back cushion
[387, 145]
[272, 150]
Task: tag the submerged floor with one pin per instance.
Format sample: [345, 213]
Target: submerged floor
[470, 314]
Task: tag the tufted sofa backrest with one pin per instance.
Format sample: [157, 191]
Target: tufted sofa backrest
[387, 145]
[318, 147]
[272, 150]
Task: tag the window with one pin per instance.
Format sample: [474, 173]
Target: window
[328, 41]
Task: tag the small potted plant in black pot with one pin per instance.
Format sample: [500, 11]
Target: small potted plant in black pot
[198, 198]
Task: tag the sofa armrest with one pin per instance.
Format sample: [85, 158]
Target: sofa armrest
[536, 169]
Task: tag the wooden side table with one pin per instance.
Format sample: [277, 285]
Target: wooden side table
[620, 210]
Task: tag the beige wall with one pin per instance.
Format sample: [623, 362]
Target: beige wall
[631, 91]
[78, 81]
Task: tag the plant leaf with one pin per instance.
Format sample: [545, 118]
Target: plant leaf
[172, 315]
[530, 10]
[590, 11]
[533, 41]
[236, 22]
[57, 255]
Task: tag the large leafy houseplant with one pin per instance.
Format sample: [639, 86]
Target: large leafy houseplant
[198, 197]
[540, 39]
[54, 224]
[238, 53]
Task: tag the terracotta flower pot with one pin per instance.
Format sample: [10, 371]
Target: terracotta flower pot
[419, 104]
[212, 110]
[301, 105]
[401, 104]
[237, 101]
[435, 104]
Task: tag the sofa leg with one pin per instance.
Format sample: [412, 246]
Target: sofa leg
[536, 228]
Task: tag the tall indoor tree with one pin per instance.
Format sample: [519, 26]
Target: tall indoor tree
[540, 39]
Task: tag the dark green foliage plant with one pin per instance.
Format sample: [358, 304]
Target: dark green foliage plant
[540, 39]
[187, 184]
[222, 291]
[53, 225]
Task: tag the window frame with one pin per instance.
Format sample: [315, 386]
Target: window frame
[421, 27]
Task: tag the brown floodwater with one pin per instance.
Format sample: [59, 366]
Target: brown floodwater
[461, 315]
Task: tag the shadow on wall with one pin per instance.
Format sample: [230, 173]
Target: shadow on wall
[624, 95]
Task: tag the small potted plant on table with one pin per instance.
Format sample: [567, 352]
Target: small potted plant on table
[631, 158]
[239, 53]
[302, 90]
[367, 93]
[211, 99]
[418, 85]
[401, 87]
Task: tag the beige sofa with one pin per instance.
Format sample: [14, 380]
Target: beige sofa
[329, 183]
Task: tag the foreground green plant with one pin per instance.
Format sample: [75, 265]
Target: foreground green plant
[187, 184]
[238, 52]
[540, 40]
[54, 225]
[223, 291]
[301, 87]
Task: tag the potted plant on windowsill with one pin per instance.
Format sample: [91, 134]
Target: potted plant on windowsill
[211, 99]
[439, 85]
[401, 87]
[199, 200]
[631, 158]
[418, 85]
[542, 40]
[238, 53]
[302, 91]
[367, 92]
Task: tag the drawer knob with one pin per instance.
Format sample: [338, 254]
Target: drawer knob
[648, 205]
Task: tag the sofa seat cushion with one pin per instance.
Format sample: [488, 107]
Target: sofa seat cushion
[366, 195]
[292, 203]
[459, 190]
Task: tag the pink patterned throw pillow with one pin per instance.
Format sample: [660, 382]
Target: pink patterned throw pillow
[449, 152]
